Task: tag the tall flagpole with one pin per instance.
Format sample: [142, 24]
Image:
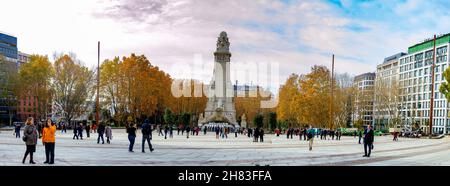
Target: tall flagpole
[97, 105]
[332, 92]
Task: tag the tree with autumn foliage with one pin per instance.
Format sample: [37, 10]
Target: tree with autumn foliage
[72, 87]
[35, 83]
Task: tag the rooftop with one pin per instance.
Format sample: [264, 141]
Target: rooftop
[428, 43]
[393, 57]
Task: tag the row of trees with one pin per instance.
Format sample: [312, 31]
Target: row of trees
[305, 99]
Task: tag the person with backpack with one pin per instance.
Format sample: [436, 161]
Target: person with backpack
[311, 134]
[147, 135]
[108, 134]
[30, 137]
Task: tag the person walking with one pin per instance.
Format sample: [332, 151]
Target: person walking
[166, 130]
[39, 129]
[17, 129]
[360, 136]
[108, 134]
[261, 135]
[217, 132]
[88, 130]
[75, 131]
[160, 130]
[204, 130]
[236, 130]
[80, 131]
[311, 134]
[94, 128]
[147, 135]
[178, 130]
[188, 129]
[277, 132]
[170, 131]
[101, 131]
[305, 133]
[131, 130]
[30, 137]
[48, 139]
[368, 141]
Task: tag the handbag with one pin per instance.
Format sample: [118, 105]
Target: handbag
[24, 138]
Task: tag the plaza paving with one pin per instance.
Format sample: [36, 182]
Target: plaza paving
[204, 150]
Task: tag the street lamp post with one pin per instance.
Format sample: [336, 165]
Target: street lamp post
[432, 87]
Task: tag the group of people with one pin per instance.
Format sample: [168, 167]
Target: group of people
[31, 135]
[102, 131]
[146, 130]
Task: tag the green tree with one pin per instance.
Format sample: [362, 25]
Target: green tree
[445, 86]
[258, 120]
[169, 117]
[272, 120]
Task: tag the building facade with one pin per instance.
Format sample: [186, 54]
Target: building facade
[386, 96]
[415, 85]
[8, 60]
[364, 98]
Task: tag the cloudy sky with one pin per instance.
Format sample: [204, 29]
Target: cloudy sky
[296, 34]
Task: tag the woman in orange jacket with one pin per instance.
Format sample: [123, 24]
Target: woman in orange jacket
[48, 139]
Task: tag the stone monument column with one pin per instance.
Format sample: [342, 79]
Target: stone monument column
[221, 91]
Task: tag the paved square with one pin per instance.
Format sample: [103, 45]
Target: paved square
[204, 150]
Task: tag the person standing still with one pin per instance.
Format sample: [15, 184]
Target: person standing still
[17, 130]
[101, 132]
[48, 139]
[368, 140]
[88, 130]
[131, 130]
[360, 136]
[310, 137]
[108, 134]
[166, 130]
[147, 135]
[30, 137]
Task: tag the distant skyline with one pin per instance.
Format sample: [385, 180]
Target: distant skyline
[295, 33]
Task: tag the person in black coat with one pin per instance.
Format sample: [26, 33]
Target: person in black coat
[261, 135]
[101, 131]
[88, 130]
[75, 132]
[368, 140]
[80, 131]
[188, 129]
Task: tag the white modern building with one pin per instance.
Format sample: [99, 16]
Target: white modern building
[364, 98]
[415, 84]
[387, 77]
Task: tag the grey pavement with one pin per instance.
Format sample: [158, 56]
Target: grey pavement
[205, 150]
